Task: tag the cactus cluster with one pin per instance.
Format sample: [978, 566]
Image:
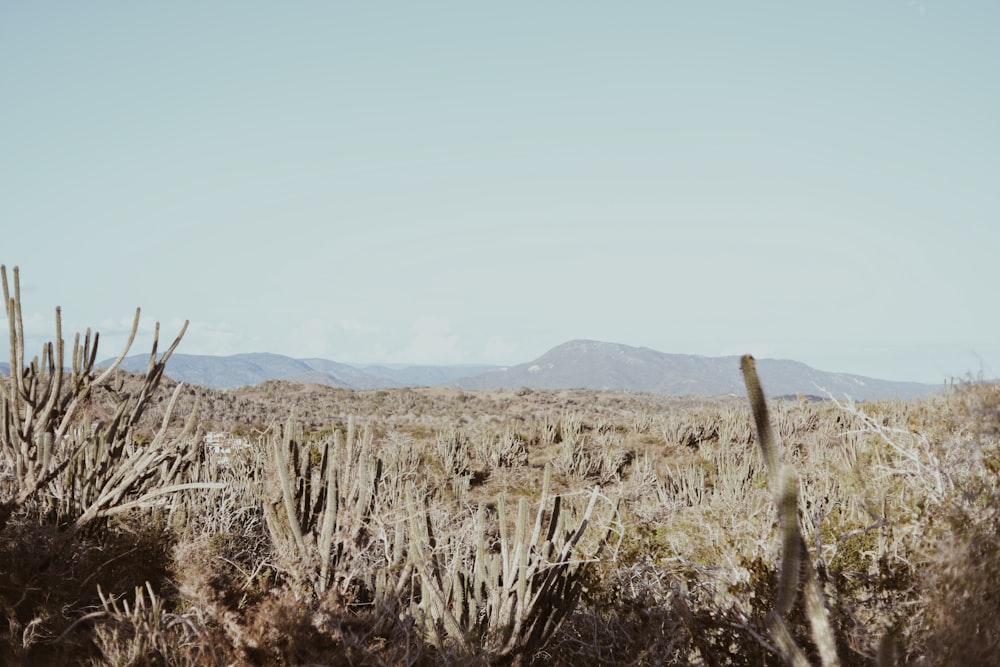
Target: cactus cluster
[77, 470]
[496, 592]
[319, 507]
[507, 595]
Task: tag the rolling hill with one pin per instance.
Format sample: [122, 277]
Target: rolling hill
[578, 364]
[226, 372]
[588, 364]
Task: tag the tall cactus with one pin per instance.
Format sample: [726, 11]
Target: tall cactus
[320, 512]
[81, 471]
[794, 555]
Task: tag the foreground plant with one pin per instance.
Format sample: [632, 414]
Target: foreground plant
[78, 470]
[511, 596]
[321, 512]
[795, 561]
[64, 473]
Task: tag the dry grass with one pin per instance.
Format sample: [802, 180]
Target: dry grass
[898, 508]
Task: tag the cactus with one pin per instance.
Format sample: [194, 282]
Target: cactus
[794, 555]
[320, 512]
[80, 472]
[507, 601]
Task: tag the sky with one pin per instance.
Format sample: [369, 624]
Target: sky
[463, 182]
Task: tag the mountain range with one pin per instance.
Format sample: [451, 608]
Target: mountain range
[577, 364]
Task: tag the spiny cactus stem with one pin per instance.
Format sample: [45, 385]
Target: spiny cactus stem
[795, 557]
[765, 434]
[421, 549]
[281, 447]
[782, 636]
[504, 542]
[329, 516]
[791, 540]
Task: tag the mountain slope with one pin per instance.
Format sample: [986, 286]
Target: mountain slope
[246, 369]
[588, 364]
[224, 372]
[578, 364]
[336, 374]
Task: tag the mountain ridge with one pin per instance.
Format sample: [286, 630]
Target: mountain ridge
[589, 364]
[575, 364]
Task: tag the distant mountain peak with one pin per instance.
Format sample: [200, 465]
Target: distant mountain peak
[575, 364]
[592, 364]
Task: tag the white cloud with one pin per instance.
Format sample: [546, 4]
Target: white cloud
[353, 325]
[346, 340]
[216, 338]
[432, 341]
[313, 337]
[212, 338]
[499, 350]
[113, 335]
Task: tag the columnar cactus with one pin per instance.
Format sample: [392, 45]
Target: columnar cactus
[794, 555]
[508, 599]
[320, 511]
[76, 470]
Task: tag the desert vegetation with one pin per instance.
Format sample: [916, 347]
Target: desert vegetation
[435, 526]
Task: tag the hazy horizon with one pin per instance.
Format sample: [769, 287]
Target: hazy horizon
[136, 353]
[443, 183]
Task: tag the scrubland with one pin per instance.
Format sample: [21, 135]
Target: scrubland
[438, 526]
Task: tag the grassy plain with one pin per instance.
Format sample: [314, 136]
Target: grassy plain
[387, 527]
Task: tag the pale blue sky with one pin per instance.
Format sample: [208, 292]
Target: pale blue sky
[472, 182]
